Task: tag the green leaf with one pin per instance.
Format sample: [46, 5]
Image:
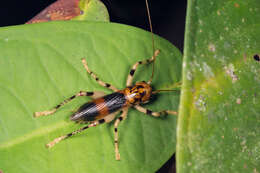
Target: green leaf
[92, 10]
[220, 106]
[40, 66]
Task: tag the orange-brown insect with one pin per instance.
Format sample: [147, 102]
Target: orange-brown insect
[103, 108]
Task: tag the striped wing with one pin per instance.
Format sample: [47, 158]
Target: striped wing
[99, 108]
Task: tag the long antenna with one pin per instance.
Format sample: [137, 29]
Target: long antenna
[151, 28]
[157, 91]
[150, 22]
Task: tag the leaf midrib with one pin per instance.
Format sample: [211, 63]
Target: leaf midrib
[37, 132]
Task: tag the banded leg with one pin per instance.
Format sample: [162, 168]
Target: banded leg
[155, 114]
[107, 119]
[118, 120]
[133, 69]
[81, 93]
[107, 85]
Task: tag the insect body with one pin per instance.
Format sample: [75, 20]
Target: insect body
[103, 108]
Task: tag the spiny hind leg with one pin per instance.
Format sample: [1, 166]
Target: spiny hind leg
[133, 69]
[93, 95]
[155, 114]
[106, 119]
[118, 120]
[104, 84]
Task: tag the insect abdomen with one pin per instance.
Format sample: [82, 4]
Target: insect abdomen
[99, 108]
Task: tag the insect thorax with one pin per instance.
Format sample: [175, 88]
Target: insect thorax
[139, 93]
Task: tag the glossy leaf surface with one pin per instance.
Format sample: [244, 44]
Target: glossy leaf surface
[40, 66]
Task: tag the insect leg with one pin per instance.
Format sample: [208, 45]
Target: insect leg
[57, 140]
[133, 69]
[155, 114]
[118, 120]
[81, 93]
[107, 85]
[107, 119]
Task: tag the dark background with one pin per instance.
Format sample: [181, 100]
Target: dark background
[168, 18]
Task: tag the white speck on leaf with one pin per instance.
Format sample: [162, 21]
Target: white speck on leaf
[189, 75]
[238, 101]
[227, 45]
[212, 47]
[230, 71]
[220, 93]
[201, 104]
[207, 70]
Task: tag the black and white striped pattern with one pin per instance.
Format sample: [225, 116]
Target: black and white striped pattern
[152, 113]
[57, 140]
[107, 119]
[118, 120]
[133, 69]
[81, 93]
[111, 116]
[107, 85]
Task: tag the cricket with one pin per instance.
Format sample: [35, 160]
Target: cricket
[104, 108]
